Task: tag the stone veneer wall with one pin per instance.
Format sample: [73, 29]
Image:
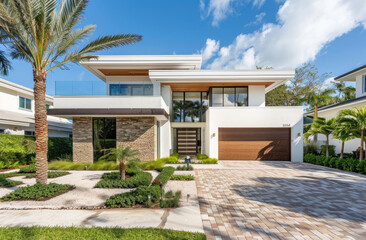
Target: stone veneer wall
[82, 139]
[138, 133]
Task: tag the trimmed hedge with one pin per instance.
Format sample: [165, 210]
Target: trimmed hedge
[209, 161]
[174, 202]
[38, 192]
[113, 180]
[182, 177]
[347, 164]
[201, 156]
[138, 196]
[184, 168]
[28, 169]
[164, 176]
[18, 150]
[65, 165]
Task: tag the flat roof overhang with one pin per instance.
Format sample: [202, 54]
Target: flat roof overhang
[160, 114]
[178, 78]
[351, 75]
[139, 65]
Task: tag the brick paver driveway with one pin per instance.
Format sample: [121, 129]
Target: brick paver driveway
[279, 200]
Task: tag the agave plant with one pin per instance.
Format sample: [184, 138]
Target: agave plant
[43, 33]
[355, 119]
[322, 126]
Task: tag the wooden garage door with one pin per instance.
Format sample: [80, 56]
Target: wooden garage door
[254, 144]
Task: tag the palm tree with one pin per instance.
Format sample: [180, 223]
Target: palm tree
[42, 32]
[322, 126]
[355, 119]
[342, 133]
[123, 155]
[316, 99]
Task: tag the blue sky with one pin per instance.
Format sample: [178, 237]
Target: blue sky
[232, 34]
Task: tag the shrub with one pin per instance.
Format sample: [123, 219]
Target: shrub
[361, 167]
[350, 164]
[311, 148]
[170, 159]
[332, 162]
[339, 164]
[209, 161]
[331, 150]
[184, 168]
[153, 165]
[138, 196]
[65, 165]
[165, 175]
[113, 180]
[176, 155]
[58, 147]
[201, 156]
[319, 160]
[38, 192]
[171, 202]
[28, 169]
[310, 158]
[8, 182]
[182, 177]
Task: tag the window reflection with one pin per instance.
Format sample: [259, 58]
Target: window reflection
[229, 96]
[130, 89]
[189, 106]
[192, 106]
[178, 106]
[104, 136]
[241, 97]
[217, 100]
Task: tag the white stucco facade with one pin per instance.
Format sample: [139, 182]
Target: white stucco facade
[20, 121]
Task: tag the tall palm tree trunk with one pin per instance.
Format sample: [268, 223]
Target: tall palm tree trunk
[361, 151]
[40, 115]
[122, 169]
[327, 147]
[342, 150]
[316, 117]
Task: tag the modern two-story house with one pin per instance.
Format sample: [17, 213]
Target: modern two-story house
[164, 104]
[17, 112]
[358, 76]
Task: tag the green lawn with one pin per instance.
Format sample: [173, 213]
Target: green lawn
[94, 233]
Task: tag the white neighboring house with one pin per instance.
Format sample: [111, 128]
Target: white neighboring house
[160, 104]
[17, 112]
[358, 76]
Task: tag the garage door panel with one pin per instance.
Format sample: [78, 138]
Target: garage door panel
[254, 144]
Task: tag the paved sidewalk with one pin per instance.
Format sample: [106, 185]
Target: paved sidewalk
[183, 218]
[281, 200]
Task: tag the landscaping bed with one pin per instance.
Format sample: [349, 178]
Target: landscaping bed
[32, 175]
[347, 164]
[38, 192]
[182, 177]
[134, 179]
[9, 183]
[58, 233]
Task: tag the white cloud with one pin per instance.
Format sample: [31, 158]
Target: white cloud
[327, 83]
[258, 3]
[304, 27]
[210, 49]
[258, 19]
[219, 9]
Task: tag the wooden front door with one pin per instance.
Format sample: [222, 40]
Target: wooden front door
[254, 144]
[187, 141]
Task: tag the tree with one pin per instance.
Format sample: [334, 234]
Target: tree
[342, 133]
[355, 119]
[322, 126]
[42, 32]
[319, 98]
[344, 93]
[307, 79]
[124, 156]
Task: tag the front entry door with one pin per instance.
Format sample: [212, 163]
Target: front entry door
[187, 141]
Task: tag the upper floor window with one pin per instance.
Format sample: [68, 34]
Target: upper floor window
[130, 89]
[189, 106]
[25, 103]
[229, 96]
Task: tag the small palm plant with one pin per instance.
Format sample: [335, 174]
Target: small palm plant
[124, 156]
[322, 126]
[342, 133]
[355, 119]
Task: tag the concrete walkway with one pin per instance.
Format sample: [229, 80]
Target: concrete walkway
[182, 218]
[281, 200]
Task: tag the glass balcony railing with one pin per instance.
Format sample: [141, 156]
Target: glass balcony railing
[80, 88]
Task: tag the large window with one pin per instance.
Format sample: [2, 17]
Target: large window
[25, 103]
[104, 136]
[229, 96]
[189, 106]
[131, 89]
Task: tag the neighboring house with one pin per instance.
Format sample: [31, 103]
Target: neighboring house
[330, 111]
[17, 112]
[164, 104]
